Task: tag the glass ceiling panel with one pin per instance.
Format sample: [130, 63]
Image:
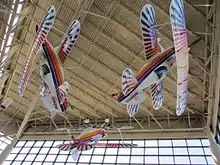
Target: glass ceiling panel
[183, 151]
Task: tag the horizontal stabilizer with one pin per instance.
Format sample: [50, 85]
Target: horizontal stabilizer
[62, 92]
[132, 109]
[129, 81]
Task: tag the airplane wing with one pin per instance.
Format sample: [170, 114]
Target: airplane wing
[149, 34]
[44, 28]
[128, 81]
[84, 147]
[132, 109]
[80, 147]
[181, 49]
[156, 91]
[69, 41]
[114, 145]
[65, 147]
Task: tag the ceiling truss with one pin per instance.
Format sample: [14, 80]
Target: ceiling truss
[95, 67]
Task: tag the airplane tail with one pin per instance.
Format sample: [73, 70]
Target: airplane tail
[62, 91]
[132, 109]
[129, 81]
[75, 154]
[133, 102]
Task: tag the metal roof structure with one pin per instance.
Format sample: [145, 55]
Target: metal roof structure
[110, 40]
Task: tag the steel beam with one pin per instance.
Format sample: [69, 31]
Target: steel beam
[130, 134]
[213, 106]
[29, 111]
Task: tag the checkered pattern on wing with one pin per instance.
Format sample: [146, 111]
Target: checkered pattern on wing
[129, 81]
[44, 28]
[132, 109]
[69, 41]
[156, 91]
[149, 34]
[178, 24]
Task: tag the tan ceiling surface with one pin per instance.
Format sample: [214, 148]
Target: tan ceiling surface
[110, 40]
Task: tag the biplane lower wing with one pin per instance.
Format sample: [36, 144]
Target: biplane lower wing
[181, 49]
[44, 28]
[156, 91]
[69, 41]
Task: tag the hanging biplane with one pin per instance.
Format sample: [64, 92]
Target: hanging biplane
[159, 63]
[54, 90]
[88, 139]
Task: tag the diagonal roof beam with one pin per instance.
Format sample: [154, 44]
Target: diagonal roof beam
[138, 39]
[32, 106]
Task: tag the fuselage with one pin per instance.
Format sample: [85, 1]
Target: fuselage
[53, 77]
[152, 72]
[90, 137]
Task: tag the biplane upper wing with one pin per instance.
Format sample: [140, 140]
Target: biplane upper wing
[149, 33]
[43, 30]
[181, 49]
[69, 41]
[114, 145]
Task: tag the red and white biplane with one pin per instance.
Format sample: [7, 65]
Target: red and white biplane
[158, 63]
[54, 90]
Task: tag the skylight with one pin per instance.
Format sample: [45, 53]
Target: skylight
[7, 41]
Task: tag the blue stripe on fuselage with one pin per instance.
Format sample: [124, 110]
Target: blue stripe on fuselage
[55, 80]
[142, 78]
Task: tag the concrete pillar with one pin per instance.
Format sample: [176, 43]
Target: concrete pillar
[7, 151]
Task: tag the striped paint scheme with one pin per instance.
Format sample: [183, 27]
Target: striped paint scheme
[149, 31]
[157, 95]
[45, 26]
[91, 134]
[69, 41]
[148, 69]
[128, 81]
[132, 109]
[82, 140]
[65, 147]
[84, 147]
[57, 74]
[178, 24]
